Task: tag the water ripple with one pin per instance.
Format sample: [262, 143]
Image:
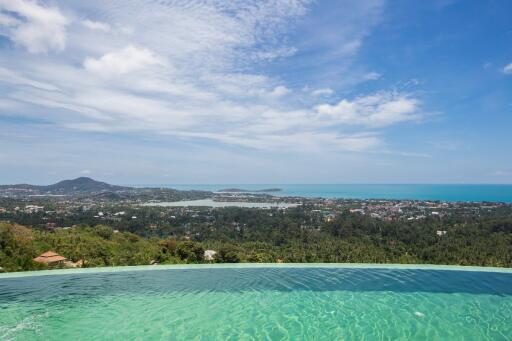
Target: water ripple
[259, 304]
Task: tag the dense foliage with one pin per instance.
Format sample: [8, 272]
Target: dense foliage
[254, 235]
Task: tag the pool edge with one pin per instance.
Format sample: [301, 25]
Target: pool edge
[252, 265]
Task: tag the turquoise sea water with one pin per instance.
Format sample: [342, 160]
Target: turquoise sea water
[497, 193]
[259, 303]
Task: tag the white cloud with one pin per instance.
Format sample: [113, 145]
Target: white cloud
[353, 21]
[371, 76]
[322, 92]
[42, 28]
[96, 25]
[378, 110]
[13, 78]
[508, 69]
[299, 142]
[279, 91]
[6, 20]
[501, 172]
[275, 53]
[190, 71]
[126, 60]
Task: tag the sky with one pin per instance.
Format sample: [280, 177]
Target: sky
[278, 91]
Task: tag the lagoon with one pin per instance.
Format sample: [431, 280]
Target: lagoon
[213, 203]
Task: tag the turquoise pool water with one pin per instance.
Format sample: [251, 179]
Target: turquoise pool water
[257, 303]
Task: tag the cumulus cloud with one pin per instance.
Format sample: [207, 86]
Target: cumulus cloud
[279, 91]
[126, 60]
[378, 110]
[508, 69]
[39, 28]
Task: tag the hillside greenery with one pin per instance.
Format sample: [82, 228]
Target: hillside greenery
[249, 235]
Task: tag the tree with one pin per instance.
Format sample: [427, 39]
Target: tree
[190, 252]
[229, 254]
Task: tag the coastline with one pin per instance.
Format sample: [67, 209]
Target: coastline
[497, 193]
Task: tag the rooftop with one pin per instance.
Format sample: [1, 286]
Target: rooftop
[49, 257]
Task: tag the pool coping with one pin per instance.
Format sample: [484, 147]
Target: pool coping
[112, 269]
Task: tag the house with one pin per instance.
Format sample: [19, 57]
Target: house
[50, 257]
[329, 217]
[440, 233]
[209, 255]
[33, 208]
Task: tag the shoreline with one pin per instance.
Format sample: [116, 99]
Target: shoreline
[451, 193]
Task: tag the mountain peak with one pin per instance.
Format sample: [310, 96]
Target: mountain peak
[81, 184]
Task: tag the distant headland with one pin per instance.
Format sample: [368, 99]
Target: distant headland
[240, 190]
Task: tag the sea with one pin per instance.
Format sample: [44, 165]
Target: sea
[441, 192]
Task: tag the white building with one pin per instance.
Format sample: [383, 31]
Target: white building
[209, 255]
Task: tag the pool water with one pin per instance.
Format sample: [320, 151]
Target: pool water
[258, 303]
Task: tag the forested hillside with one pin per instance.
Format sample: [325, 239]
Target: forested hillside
[245, 235]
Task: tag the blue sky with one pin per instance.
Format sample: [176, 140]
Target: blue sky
[256, 92]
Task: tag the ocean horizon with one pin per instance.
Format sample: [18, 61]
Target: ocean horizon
[438, 192]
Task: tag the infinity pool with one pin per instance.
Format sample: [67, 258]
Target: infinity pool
[299, 302]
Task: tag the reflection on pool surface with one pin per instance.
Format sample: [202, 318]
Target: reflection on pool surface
[275, 303]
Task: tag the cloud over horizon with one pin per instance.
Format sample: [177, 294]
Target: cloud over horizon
[196, 84]
[253, 76]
